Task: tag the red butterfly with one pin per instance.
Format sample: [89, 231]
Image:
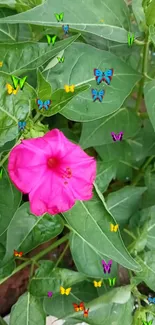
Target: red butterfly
[86, 312]
[19, 254]
[79, 307]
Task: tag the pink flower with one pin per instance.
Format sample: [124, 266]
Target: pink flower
[53, 171]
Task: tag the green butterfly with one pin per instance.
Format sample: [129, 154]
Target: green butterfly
[49, 39]
[61, 60]
[112, 281]
[59, 17]
[1, 172]
[130, 39]
[148, 323]
[17, 81]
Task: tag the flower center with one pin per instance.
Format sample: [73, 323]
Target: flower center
[53, 162]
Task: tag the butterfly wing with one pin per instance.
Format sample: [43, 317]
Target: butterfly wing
[107, 76]
[15, 253]
[61, 16]
[22, 82]
[113, 136]
[95, 283]
[9, 88]
[72, 88]
[111, 227]
[94, 94]
[15, 81]
[59, 59]
[53, 39]
[62, 290]
[39, 103]
[65, 29]
[48, 39]
[120, 136]
[20, 254]
[46, 104]
[81, 306]
[67, 88]
[101, 94]
[99, 283]
[15, 91]
[57, 17]
[99, 75]
[62, 59]
[86, 312]
[76, 307]
[1, 63]
[115, 228]
[68, 290]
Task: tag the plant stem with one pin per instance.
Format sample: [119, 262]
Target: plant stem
[37, 257]
[129, 233]
[141, 171]
[62, 255]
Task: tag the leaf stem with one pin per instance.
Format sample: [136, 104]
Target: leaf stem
[129, 233]
[141, 171]
[37, 257]
[62, 255]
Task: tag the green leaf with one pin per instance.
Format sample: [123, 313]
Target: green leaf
[48, 279]
[27, 4]
[148, 198]
[8, 33]
[94, 222]
[98, 132]
[106, 171]
[139, 14]
[2, 322]
[82, 107]
[152, 33]
[44, 90]
[148, 269]
[13, 108]
[150, 100]
[116, 18]
[36, 54]
[150, 13]
[125, 202]
[27, 310]
[10, 199]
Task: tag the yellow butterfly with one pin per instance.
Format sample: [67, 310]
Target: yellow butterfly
[64, 291]
[113, 228]
[1, 63]
[69, 88]
[11, 90]
[102, 21]
[97, 284]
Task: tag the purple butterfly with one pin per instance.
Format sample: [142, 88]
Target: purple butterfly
[107, 267]
[117, 137]
[50, 294]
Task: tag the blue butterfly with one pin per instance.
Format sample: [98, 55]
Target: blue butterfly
[103, 76]
[21, 125]
[151, 300]
[42, 104]
[65, 29]
[98, 95]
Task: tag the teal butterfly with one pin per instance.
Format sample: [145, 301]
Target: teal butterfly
[49, 39]
[17, 81]
[147, 323]
[59, 17]
[61, 60]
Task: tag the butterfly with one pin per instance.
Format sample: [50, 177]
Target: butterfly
[19, 254]
[98, 95]
[44, 104]
[1, 64]
[16, 81]
[113, 228]
[65, 29]
[117, 137]
[150, 299]
[112, 281]
[59, 17]
[130, 39]
[107, 267]
[65, 291]
[79, 307]
[69, 88]
[50, 294]
[97, 284]
[103, 76]
[21, 125]
[11, 90]
[85, 314]
[148, 323]
[61, 60]
[49, 39]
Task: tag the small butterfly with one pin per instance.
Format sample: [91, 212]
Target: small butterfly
[50, 294]
[61, 60]
[1, 64]
[21, 125]
[97, 284]
[19, 254]
[85, 314]
[59, 17]
[65, 291]
[11, 90]
[130, 39]
[148, 323]
[1, 172]
[117, 137]
[79, 307]
[107, 267]
[102, 21]
[151, 300]
[113, 228]
[44, 104]
[16, 81]
[103, 76]
[51, 39]
[112, 281]
[98, 95]
[69, 88]
[65, 29]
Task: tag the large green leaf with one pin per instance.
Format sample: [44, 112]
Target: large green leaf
[106, 171]
[150, 100]
[94, 222]
[13, 108]
[8, 33]
[98, 132]
[150, 13]
[27, 311]
[138, 11]
[27, 4]
[81, 71]
[116, 18]
[148, 269]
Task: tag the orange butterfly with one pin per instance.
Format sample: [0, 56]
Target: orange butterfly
[86, 312]
[79, 307]
[19, 254]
